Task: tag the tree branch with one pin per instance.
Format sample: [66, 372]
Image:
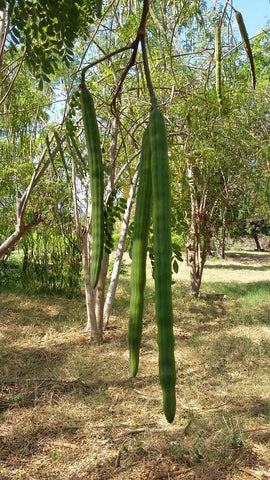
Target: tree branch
[106, 57]
[20, 230]
[135, 45]
[12, 81]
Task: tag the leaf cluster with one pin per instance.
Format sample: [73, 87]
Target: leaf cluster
[47, 30]
[115, 208]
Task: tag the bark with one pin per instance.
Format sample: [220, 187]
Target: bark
[256, 240]
[84, 244]
[217, 242]
[220, 242]
[17, 234]
[223, 232]
[95, 298]
[101, 286]
[119, 252]
[100, 293]
[199, 234]
[89, 291]
[20, 227]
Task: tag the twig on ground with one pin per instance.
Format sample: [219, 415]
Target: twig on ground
[261, 474]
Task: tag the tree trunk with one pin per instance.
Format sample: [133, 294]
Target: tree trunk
[256, 240]
[223, 233]
[119, 252]
[100, 289]
[90, 293]
[195, 277]
[95, 298]
[84, 244]
[100, 293]
[199, 240]
[217, 242]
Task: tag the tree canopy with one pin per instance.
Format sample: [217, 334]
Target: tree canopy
[131, 54]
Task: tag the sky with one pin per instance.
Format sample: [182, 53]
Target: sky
[255, 13]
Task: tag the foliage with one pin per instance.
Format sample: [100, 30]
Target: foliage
[10, 271]
[227, 147]
[51, 263]
[21, 124]
[47, 30]
[114, 210]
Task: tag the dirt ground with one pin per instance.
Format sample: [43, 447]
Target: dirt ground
[69, 410]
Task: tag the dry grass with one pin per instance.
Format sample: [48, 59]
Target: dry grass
[70, 411]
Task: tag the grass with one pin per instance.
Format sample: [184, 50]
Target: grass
[69, 409]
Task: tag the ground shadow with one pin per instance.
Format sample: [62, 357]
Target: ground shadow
[240, 290]
[237, 267]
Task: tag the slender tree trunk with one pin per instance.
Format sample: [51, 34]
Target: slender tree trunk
[84, 244]
[256, 240]
[100, 293]
[95, 298]
[119, 252]
[199, 234]
[217, 242]
[90, 293]
[223, 232]
[195, 280]
[101, 286]
[194, 234]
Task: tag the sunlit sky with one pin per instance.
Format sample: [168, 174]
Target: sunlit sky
[255, 13]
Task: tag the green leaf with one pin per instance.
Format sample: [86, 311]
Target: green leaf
[175, 266]
[45, 78]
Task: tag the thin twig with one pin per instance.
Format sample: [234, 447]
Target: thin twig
[106, 57]
[124, 74]
[13, 80]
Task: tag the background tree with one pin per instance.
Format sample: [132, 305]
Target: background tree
[211, 147]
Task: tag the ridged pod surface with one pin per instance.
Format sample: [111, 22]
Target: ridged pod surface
[247, 46]
[139, 252]
[162, 254]
[96, 180]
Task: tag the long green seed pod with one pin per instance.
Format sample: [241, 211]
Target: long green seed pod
[139, 251]
[218, 62]
[96, 180]
[247, 46]
[162, 253]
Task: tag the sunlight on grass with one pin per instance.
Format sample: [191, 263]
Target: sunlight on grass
[70, 410]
